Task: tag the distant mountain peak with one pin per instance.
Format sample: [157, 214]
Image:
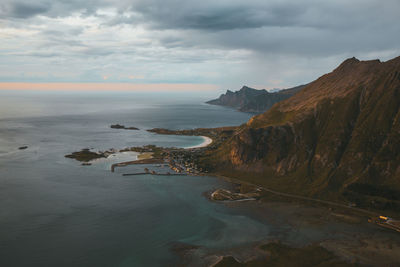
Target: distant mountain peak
[353, 62]
[352, 59]
[245, 88]
[248, 99]
[348, 63]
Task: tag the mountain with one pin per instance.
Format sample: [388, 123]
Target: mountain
[338, 138]
[252, 100]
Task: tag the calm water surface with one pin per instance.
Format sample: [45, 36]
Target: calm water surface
[54, 212]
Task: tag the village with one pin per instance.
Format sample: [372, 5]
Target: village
[162, 161]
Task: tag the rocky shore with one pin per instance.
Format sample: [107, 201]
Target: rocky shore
[309, 235]
[278, 254]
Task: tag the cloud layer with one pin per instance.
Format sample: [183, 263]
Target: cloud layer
[228, 43]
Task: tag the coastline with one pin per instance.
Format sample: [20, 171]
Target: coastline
[207, 141]
[362, 247]
[266, 202]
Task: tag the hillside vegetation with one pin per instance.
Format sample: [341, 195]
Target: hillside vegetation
[337, 138]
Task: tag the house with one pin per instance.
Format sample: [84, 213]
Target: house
[383, 218]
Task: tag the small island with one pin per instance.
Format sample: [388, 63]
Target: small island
[85, 155]
[119, 126]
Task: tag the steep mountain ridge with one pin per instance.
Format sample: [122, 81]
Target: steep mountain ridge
[339, 137]
[252, 100]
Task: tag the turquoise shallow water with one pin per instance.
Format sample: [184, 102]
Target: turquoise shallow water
[54, 212]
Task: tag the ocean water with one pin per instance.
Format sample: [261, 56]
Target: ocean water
[55, 212]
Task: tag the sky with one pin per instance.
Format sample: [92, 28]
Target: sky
[218, 43]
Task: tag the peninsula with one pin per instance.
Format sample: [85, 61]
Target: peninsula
[252, 100]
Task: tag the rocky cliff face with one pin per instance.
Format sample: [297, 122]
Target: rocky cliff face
[252, 100]
[338, 137]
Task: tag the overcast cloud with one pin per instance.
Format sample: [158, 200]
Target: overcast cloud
[265, 44]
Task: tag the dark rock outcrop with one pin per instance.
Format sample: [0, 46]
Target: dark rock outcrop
[85, 155]
[252, 100]
[119, 126]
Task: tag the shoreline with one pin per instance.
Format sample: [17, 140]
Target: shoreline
[148, 157]
[207, 141]
[316, 211]
[355, 248]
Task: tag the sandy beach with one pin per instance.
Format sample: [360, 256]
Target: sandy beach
[206, 142]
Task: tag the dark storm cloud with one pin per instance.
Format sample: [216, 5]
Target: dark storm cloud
[221, 39]
[201, 15]
[308, 28]
[27, 10]
[220, 15]
[223, 16]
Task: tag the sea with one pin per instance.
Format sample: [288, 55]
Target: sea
[55, 212]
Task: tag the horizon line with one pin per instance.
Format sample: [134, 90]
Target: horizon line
[98, 86]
